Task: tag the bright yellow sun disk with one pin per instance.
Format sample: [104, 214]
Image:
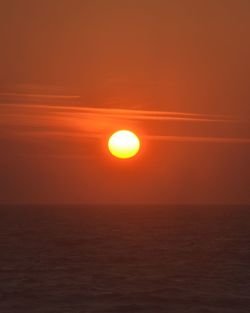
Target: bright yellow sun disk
[124, 144]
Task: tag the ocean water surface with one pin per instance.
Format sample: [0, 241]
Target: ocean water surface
[119, 259]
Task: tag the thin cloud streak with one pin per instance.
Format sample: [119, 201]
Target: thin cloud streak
[156, 113]
[42, 96]
[134, 114]
[74, 135]
[200, 139]
[59, 134]
[28, 121]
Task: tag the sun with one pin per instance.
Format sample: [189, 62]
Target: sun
[124, 144]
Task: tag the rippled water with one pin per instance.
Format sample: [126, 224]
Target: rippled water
[125, 259]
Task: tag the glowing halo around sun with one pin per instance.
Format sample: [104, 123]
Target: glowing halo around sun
[124, 144]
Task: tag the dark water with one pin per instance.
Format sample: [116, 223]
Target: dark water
[124, 259]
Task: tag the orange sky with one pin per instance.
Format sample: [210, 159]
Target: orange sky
[175, 72]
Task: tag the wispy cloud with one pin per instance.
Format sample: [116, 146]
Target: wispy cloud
[35, 94]
[132, 114]
[200, 139]
[21, 95]
[69, 121]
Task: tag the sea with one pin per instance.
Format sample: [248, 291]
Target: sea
[124, 259]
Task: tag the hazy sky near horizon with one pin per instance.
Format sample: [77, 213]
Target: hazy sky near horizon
[176, 72]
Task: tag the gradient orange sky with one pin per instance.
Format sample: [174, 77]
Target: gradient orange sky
[175, 72]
